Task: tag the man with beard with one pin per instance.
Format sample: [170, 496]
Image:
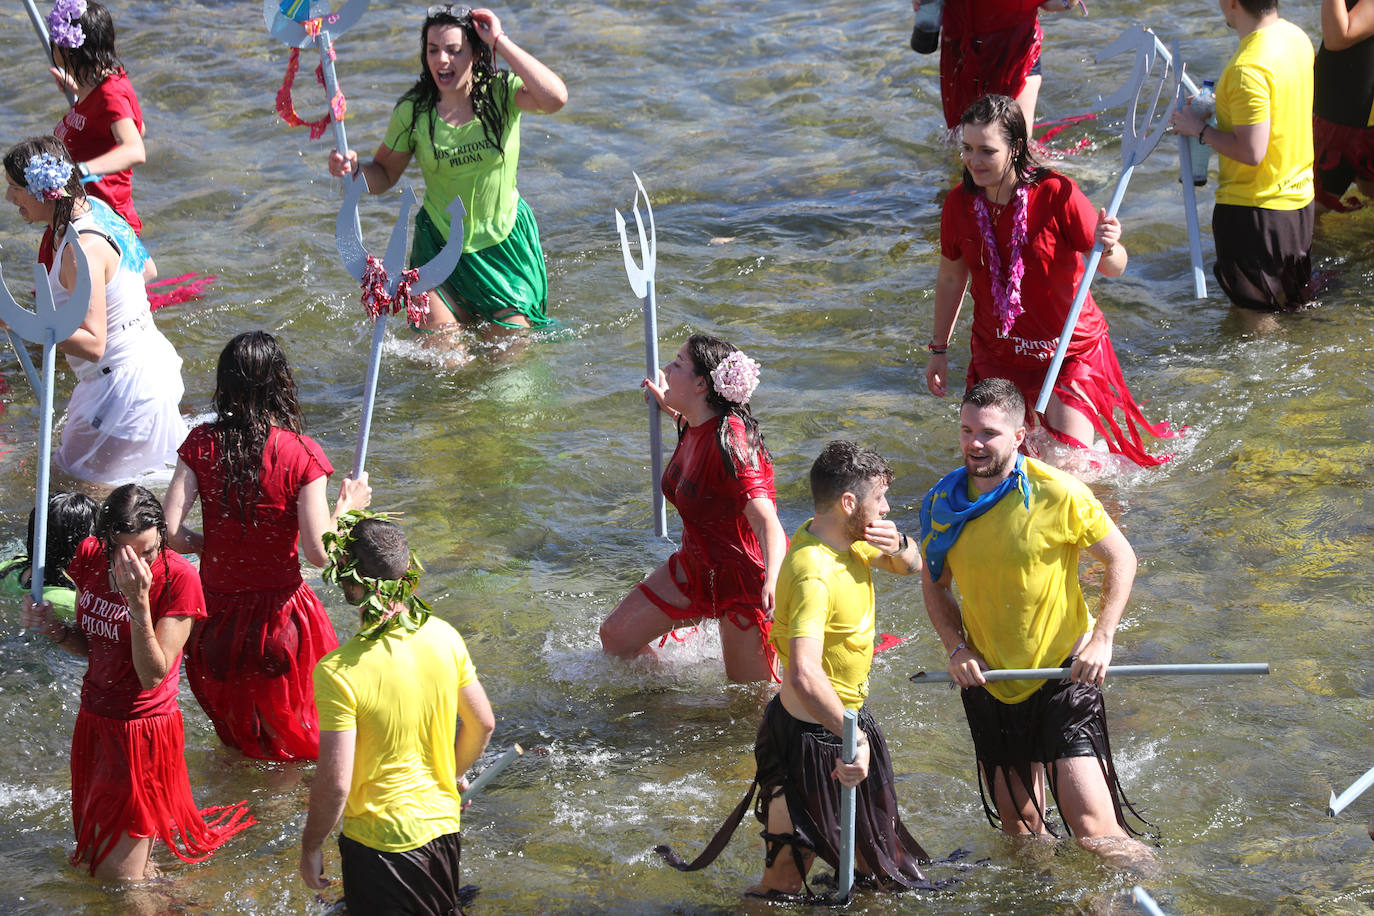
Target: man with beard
[824, 626]
[1009, 530]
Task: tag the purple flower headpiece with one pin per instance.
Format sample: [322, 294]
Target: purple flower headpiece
[64, 23]
[47, 176]
[736, 377]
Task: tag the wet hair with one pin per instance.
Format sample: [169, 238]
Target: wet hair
[1006, 114]
[97, 57]
[999, 393]
[130, 509]
[17, 159]
[490, 90]
[254, 391]
[846, 467]
[707, 352]
[380, 549]
[71, 519]
[1258, 8]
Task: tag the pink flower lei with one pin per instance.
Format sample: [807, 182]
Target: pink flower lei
[1006, 292]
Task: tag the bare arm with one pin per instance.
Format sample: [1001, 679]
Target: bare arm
[965, 665]
[898, 557]
[476, 722]
[1246, 144]
[543, 92]
[182, 493]
[314, 519]
[328, 793]
[127, 152]
[1342, 28]
[951, 281]
[762, 516]
[381, 173]
[41, 619]
[88, 340]
[1095, 656]
[806, 680]
[1108, 234]
[154, 647]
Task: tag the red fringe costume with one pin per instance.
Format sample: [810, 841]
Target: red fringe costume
[1060, 222]
[250, 663]
[990, 49]
[720, 565]
[128, 751]
[1343, 120]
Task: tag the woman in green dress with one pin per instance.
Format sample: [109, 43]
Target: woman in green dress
[461, 119]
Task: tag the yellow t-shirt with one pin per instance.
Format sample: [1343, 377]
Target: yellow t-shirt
[1017, 572]
[829, 597]
[400, 694]
[1269, 79]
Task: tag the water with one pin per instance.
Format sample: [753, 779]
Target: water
[796, 164]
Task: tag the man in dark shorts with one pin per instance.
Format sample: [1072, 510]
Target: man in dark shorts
[824, 629]
[1009, 530]
[402, 717]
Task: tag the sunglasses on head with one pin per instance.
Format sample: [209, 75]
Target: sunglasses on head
[462, 13]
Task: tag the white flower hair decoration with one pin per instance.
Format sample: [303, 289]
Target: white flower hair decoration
[736, 377]
[47, 176]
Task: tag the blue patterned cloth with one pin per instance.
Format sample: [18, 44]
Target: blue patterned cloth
[946, 509]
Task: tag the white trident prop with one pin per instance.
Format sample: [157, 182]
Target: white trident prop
[642, 282]
[348, 238]
[1137, 142]
[47, 325]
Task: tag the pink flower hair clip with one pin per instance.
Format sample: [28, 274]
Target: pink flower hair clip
[736, 377]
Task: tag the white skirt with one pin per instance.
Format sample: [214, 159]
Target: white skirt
[124, 421]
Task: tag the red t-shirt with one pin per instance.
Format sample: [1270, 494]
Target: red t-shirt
[715, 533]
[1060, 222]
[86, 129]
[980, 17]
[261, 556]
[111, 687]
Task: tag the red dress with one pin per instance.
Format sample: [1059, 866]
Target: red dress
[988, 49]
[128, 750]
[720, 565]
[250, 662]
[1060, 222]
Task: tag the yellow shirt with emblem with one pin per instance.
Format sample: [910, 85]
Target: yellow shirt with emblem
[1017, 573]
[1269, 79]
[828, 597]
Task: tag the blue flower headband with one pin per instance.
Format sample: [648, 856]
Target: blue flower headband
[47, 176]
[64, 23]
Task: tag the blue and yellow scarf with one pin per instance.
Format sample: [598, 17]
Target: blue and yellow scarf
[946, 509]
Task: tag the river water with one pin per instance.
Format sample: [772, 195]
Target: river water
[795, 158]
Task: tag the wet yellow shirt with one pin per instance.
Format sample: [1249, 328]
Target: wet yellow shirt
[400, 694]
[1269, 79]
[1017, 573]
[828, 597]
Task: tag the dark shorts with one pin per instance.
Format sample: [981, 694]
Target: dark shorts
[417, 882]
[1264, 257]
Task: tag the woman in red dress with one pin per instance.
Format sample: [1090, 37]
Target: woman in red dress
[135, 606]
[260, 483]
[1017, 232]
[720, 479]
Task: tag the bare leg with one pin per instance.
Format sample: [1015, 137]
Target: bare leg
[1085, 801]
[782, 875]
[1027, 100]
[1254, 322]
[130, 859]
[1018, 808]
[745, 660]
[637, 621]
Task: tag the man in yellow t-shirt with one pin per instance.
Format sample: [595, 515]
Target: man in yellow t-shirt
[402, 716]
[1262, 221]
[1009, 530]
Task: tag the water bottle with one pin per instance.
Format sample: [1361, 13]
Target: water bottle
[925, 37]
[1205, 104]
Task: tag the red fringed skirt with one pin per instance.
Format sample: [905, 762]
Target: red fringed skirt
[1097, 375]
[250, 664]
[109, 801]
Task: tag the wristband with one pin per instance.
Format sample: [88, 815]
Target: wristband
[84, 171]
[901, 547]
[962, 645]
[938, 349]
[1200, 131]
[497, 39]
